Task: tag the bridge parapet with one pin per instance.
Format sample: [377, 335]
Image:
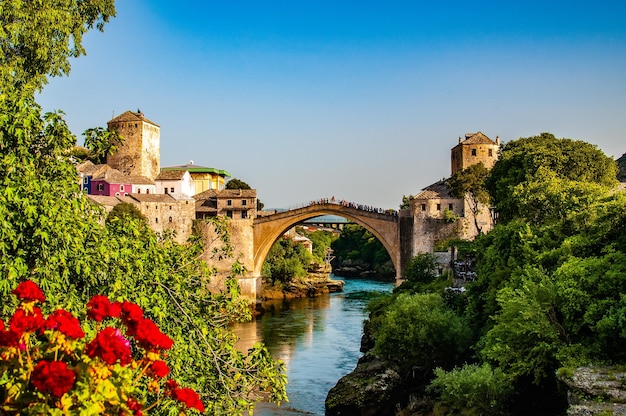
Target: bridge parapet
[338, 208]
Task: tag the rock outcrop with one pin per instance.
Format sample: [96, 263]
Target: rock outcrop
[596, 391]
[370, 390]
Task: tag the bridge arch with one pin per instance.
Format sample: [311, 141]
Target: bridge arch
[268, 229]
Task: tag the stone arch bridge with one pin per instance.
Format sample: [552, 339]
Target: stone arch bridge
[387, 227]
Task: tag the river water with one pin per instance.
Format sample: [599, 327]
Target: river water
[317, 338]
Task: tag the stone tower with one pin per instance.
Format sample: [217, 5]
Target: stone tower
[475, 148]
[140, 152]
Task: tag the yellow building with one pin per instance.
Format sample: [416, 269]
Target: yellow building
[203, 178]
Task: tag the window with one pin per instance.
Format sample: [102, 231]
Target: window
[438, 207]
[229, 202]
[166, 190]
[244, 214]
[100, 187]
[85, 180]
[473, 152]
[156, 220]
[244, 202]
[170, 219]
[490, 152]
[423, 207]
[170, 207]
[171, 190]
[139, 190]
[121, 188]
[229, 214]
[147, 191]
[450, 207]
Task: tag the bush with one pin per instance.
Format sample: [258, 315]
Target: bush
[420, 331]
[472, 390]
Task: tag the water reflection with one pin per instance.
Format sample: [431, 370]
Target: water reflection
[317, 338]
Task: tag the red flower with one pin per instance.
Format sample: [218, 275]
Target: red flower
[149, 335]
[53, 377]
[134, 406]
[189, 397]
[131, 313]
[8, 338]
[160, 369]
[28, 290]
[110, 346]
[171, 384]
[99, 307]
[22, 321]
[66, 323]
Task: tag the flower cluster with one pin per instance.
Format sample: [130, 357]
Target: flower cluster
[47, 363]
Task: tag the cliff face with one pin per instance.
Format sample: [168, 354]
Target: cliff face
[596, 391]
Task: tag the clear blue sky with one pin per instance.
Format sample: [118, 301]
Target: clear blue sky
[361, 100]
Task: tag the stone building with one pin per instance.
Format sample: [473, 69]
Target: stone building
[475, 148]
[139, 154]
[437, 215]
[165, 213]
[232, 203]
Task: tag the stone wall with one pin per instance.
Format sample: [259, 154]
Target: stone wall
[241, 239]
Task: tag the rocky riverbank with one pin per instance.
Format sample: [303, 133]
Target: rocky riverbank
[317, 283]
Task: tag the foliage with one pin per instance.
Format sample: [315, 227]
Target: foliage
[321, 240]
[39, 37]
[49, 366]
[527, 160]
[237, 184]
[406, 202]
[286, 261]
[126, 211]
[621, 166]
[101, 143]
[423, 268]
[472, 390]
[52, 234]
[357, 243]
[469, 184]
[420, 331]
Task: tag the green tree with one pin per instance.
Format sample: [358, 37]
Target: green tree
[528, 160]
[469, 185]
[53, 234]
[287, 260]
[237, 184]
[420, 331]
[406, 202]
[101, 143]
[472, 390]
[126, 211]
[357, 243]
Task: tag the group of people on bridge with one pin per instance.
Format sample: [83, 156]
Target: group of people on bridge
[348, 204]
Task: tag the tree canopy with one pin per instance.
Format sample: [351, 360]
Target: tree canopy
[51, 233]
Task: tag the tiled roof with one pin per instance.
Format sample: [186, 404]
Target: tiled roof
[140, 180]
[131, 116]
[109, 201]
[206, 205]
[436, 190]
[171, 175]
[209, 193]
[153, 198]
[237, 193]
[110, 175]
[477, 138]
[89, 169]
